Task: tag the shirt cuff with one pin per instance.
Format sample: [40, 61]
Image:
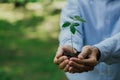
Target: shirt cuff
[103, 54]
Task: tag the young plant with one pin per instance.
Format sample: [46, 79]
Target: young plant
[72, 25]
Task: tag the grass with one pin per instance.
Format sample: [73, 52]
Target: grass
[28, 42]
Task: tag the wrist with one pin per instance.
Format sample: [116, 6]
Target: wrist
[98, 53]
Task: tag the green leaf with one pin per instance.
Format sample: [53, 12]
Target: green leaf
[82, 20]
[79, 19]
[72, 29]
[66, 24]
[75, 24]
[72, 18]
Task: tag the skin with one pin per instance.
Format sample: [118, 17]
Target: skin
[88, 59]
[85, 61]
[63, 61]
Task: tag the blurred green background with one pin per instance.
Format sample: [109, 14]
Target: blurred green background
[28, 39]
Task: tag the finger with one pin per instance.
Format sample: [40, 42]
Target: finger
[79, 67]
[80, 70]
[90, 61]
[66, 69]
[75, 65]
[63, 64]
[94, 53]
[85, 52]
[84, 65]
[77, 60]
[59, 52]
[69, 49]
[74, 70]
[61, 59]
[56, 60]
[58, 55]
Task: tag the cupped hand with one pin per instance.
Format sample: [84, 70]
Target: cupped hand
[61, 60]
[86, 60]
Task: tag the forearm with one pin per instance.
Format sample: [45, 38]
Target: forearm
[110, 49]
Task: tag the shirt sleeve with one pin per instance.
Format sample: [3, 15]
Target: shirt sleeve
[71, 9]
[110, 49]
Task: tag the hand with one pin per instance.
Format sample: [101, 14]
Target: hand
[62, 61]
[86, 60]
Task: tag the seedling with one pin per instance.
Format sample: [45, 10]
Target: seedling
[72, 25]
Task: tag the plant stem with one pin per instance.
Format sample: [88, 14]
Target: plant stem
[72, 42]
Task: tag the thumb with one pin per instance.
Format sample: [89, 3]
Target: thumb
[69, 49]
[85, 52]
[59, 52]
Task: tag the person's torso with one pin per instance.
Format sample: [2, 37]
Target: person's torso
[102, 21]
